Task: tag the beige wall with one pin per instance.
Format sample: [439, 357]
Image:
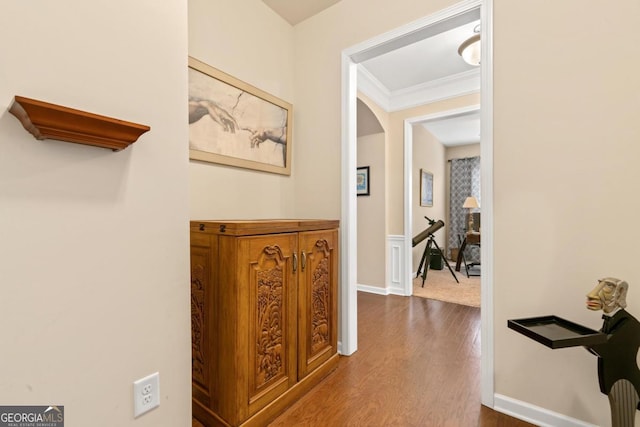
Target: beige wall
[249, 41]
[94, 260]
[372, 211]
[371, 237]
[97, 241]
[428, 154]
[395, 161]
[565, 171]
[319, 43]
[462, 151]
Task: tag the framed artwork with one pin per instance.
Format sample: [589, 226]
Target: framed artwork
[426, 188]
[233, 123]
[362, 181]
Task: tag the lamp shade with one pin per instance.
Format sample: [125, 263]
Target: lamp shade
[470, 50]
[471, 202]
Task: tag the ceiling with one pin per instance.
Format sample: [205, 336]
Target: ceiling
[424, 69]
[295, 11]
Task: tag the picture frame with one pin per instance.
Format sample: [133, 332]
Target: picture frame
[426, 188]
[236, 124]
[362, 181]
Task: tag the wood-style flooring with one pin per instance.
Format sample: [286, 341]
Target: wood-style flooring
[417, 364]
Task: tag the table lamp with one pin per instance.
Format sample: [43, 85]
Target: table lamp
[470, 203]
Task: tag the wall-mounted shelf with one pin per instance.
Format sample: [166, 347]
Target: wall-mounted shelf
[44, 120]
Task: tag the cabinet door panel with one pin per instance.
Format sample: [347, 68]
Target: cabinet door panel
[202, 358]
[317, 299]
[266, 265]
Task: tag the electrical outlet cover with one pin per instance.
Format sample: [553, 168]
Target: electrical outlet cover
[146, 394]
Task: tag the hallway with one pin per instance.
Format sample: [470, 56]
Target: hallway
[418, 364]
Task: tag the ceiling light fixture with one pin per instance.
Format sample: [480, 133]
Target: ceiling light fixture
[470, 48]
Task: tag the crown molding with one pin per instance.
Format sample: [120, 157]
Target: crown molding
[372, 87]
[464, 83]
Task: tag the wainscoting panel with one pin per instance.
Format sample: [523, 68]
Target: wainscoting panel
[396, 258]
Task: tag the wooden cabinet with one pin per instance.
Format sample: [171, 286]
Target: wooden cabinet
[263, 316]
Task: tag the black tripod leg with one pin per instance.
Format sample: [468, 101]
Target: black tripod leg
[445, 261]
[424, 255]
[427, 258]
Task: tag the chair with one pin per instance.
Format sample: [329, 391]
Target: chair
[470, 238]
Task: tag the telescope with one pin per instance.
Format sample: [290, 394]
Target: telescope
[433, 227]
[426, 256]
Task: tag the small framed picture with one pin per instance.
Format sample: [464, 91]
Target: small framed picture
[426, 188]
[362, 181]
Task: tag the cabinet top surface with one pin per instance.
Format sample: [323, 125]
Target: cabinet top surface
[264, 226]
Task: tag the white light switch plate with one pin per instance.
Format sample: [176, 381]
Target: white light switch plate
[146, 394]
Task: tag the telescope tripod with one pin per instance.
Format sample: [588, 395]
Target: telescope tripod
[426, 260]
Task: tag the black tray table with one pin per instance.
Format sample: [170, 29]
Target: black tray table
[556, 332]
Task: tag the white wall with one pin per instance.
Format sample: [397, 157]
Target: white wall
[565, 171]
[94, 243]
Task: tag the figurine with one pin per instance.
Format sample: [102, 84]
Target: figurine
[618, 372]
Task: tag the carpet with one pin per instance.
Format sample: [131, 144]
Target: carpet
[440, 285]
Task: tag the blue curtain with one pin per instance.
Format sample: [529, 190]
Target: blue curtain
[464, 182]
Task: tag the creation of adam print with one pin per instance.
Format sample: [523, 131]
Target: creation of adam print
[235, 123]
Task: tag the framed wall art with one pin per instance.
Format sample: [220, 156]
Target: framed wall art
[362, 181]
[426, 188]
[236, 124]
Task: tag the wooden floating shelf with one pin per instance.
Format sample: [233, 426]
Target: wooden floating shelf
[50, 121]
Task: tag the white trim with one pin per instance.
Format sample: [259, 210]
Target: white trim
[486, 171]
[368, 49]
[408, 203]
[373, 290]
[376, 91]
[394, 276]
[406, 34]
[531, 413]
[348, 335]
[408, 182]
[396, 259]
[438, 90]
[456, 112]
[460, 84]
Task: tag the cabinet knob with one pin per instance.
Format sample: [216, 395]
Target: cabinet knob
[303, 264]
[295, 262]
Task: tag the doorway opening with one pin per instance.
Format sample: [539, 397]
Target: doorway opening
[350, 58]
[409, 187]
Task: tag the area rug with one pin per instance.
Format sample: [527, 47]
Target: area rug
[440, 285]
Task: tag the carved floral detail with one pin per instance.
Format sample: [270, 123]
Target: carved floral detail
[197, 323]
[321, 299]
[270, 321]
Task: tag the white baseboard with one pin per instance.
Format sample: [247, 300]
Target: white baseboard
[380, 291]
[373, 290]
[534, 414]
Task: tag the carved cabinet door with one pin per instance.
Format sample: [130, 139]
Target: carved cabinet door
[267, 267]
[202, 358]
[317, 299]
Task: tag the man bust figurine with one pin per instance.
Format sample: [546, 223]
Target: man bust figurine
[618, 372]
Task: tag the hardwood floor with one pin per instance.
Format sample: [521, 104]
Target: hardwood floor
[417, 364]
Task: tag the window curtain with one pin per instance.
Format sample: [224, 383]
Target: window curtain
[464, 182]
